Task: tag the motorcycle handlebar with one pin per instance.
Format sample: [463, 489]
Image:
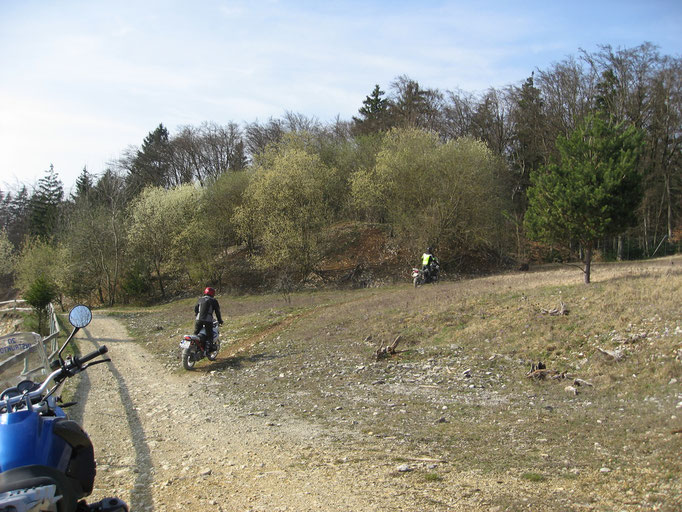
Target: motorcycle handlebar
[88, 357]
[71, 369]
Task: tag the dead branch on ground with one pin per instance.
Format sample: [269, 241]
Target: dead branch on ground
[389, 349]
[560, 311]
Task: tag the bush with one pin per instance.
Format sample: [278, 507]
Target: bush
[39, 295]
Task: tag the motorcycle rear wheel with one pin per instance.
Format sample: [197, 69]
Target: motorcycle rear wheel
[188, 358]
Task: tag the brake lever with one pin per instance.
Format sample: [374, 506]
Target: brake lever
[88, 365]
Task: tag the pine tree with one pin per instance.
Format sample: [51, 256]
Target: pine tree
[17, 209]
[374, 113]
[152, 164]
[84, 186]
[45, 205]
[592, 192]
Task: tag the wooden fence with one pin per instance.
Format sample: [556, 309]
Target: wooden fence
[9, 306]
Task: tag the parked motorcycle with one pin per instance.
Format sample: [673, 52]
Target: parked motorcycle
[194, 347]
[47, 461]
[420, 277]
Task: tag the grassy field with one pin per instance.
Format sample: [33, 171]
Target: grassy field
[602, 431]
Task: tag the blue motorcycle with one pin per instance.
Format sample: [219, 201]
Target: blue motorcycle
[47, 461]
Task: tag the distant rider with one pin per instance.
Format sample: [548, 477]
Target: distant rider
[430, 264]
[204, 310]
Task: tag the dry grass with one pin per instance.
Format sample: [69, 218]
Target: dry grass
[457, 389]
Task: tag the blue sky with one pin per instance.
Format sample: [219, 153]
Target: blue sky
[80, 80]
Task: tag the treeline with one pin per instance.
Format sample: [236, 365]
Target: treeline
[214, 203]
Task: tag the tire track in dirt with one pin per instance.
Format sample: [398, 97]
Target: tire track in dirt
[140, 495]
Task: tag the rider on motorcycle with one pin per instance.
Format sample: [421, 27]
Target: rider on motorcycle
[430, 264]
[204, 310]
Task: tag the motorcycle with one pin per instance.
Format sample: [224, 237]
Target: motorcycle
[194, 348]
[420, 277]
[47, 462]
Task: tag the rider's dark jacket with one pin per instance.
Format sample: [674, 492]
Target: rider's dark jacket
[205, 308]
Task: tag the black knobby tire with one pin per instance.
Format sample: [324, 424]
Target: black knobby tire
[188, 358]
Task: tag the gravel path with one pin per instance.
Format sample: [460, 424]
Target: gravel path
[164, 441]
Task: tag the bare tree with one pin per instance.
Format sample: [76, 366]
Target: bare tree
[203, 153]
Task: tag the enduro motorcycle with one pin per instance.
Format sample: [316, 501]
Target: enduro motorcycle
[47, 461]
[420, 277]
[194, 348]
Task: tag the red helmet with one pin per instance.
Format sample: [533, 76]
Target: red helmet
[209, 291]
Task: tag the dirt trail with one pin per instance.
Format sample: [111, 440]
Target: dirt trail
[165, 441]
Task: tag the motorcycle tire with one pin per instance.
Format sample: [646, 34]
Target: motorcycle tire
[188, 358]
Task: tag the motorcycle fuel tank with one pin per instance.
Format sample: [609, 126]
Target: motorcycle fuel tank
[27, 438]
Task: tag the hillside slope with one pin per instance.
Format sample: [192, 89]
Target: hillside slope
[455, 407]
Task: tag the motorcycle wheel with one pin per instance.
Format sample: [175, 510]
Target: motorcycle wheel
[188, 358]
[416, 281]
[212, 356]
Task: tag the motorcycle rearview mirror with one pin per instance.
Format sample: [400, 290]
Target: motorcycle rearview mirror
[79, 316]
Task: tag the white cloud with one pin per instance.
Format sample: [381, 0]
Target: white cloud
[76, 72]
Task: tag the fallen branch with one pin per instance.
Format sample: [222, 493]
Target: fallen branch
[388, 350]
[545, 374]
[540, 372]
[560, 311]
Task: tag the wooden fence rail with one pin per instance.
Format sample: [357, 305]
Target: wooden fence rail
[14, 306]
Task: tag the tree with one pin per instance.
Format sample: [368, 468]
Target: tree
[39, 295]
[6, 254]
[640, 86]
[41, 258]
[567, 94]
[206, 152]
[151, 165]
[157, 218]
[458, 113]
[412, 106]
[285, 209]
[259, 136]
[373, 113]
[491, 121]
[95, 240]
[16, 209]
[211, 231]
[431, 192]
[45, 205]
[528, 150]
[84, 186]
[591, 192]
